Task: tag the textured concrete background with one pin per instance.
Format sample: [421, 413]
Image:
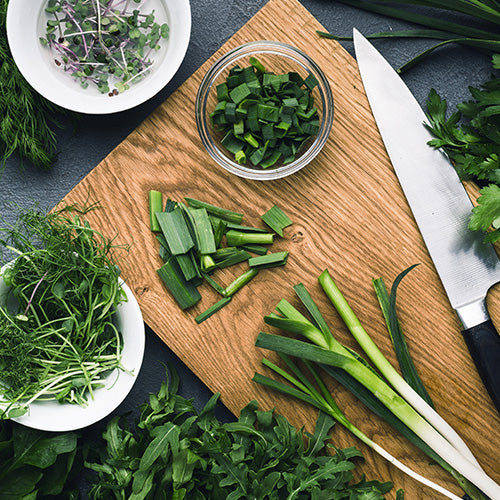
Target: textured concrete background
[450, 71]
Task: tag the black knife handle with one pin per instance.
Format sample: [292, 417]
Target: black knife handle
[483, 342]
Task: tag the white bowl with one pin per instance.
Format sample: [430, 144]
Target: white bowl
[59, 417]
[26, 23]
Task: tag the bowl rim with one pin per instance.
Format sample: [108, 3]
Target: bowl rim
[245, 50]
[23, 24]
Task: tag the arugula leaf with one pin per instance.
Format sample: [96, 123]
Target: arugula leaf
[176, 452]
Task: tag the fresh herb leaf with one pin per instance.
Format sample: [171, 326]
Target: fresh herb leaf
[36, 462]
[470, 136]
[486, 215]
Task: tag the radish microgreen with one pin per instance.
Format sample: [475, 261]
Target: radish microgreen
[104, 43]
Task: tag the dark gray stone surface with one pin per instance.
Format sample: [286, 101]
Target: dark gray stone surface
[449, 71]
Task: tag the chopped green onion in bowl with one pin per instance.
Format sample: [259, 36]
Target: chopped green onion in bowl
[264, 110]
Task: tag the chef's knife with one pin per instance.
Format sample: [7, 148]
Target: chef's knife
[466, 265]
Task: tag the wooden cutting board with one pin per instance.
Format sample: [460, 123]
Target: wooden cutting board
[349, 216]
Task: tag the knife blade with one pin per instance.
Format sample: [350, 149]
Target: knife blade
[441, 207]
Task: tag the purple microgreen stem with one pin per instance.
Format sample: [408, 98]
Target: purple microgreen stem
[33, 293]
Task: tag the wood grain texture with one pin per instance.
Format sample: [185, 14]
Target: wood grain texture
[349, 216]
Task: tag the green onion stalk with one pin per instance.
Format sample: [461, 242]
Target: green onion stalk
[435, 27]
[402, 401]
[304, 390]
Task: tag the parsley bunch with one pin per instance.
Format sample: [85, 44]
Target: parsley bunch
[471, 139]
[176, 452]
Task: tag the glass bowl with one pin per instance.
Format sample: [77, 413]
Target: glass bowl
[278, 58]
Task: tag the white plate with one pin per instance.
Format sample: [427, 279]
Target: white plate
[59, 417]
[26, 21]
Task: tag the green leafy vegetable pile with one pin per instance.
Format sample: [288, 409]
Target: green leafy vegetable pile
[100, 41]
[265, 117]
[37, 464]
[176, 452]
[471, 138]
[27, 120]
[57, 336]
[197, 238]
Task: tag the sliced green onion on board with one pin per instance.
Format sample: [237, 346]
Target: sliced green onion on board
[276, 219]
[184, 292]
[239, 282]
[155, 205]
[269, 260]
[175, 229]
[219, 212]
[238, 238]
[213, 309]
[198, 239]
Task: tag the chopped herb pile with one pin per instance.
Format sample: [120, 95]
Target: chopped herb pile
[57, 339]
[197, 238]
[265, 118]
[176, 452]
[103, 42]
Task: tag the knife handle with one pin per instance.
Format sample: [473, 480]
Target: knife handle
[483, 342]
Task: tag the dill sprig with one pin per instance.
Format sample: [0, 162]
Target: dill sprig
[27, 120]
